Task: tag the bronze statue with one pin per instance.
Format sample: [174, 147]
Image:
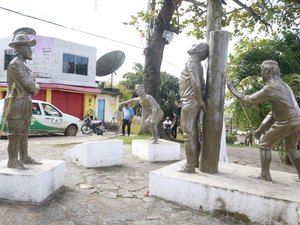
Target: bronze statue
[21, 85]
[282, 123]
[192, 90]
[150, 107]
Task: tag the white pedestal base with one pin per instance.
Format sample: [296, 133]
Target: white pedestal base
[163, 151]
[34, 184]
[96, 153]
[235, 188]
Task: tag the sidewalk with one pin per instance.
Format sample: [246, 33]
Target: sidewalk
[112, 195]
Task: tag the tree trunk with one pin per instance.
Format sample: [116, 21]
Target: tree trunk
[155, 49]
[214, 16]
[215, 88]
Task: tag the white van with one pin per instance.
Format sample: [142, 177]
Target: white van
[46, 118]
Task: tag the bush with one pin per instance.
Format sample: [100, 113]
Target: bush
[230, 139]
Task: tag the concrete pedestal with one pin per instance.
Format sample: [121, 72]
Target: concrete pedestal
[234, 189]
[96, 153]
[34, 184]
[163, 151]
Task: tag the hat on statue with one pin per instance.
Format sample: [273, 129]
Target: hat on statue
[21, 37]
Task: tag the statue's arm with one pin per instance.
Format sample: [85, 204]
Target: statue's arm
[130, 101]
[264, 126]
[241, 97]
[18, 71]
[260, 96]
[195, 77]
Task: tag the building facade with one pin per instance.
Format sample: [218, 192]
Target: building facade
[66, 72]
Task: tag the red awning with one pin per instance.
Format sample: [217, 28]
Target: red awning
[61, 87]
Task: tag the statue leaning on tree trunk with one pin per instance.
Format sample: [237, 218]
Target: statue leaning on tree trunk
[21, 85]
[192, 90]
[282, 123]
[150, 107]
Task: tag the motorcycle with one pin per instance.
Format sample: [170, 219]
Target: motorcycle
[92, 126]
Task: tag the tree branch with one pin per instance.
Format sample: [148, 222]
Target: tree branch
[252, 13]
[197, 3]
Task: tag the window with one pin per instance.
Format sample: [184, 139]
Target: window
[51, 111]
[36, 109]
[9, 54]
[75, 64]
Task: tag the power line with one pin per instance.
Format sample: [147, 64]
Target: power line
[70, 28]
[77, 30]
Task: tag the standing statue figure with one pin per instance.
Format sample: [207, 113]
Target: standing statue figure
[192, 91]
[21, 85]
[150, 107]
[282, 123]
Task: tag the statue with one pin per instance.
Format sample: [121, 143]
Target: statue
[154, 114]
[282, 123]
[192, 91]
[21, 85]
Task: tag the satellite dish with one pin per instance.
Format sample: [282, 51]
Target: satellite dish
[109, 63]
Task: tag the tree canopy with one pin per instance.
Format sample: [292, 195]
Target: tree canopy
[168, 91]
[242, 17]
[244, 68]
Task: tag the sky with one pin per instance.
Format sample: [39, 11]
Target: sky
[103, 18]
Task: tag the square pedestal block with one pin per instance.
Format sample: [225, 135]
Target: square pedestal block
[163, 151]
[96, 153]
[34, 184]
[235, 188]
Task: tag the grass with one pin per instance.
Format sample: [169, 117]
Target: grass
[128, 139]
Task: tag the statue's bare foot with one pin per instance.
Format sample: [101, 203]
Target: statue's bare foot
[30, 160]
[266, 176]
[154, 142]
[16, 165]
[185, 169]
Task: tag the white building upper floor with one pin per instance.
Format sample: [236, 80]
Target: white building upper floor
[55, 61]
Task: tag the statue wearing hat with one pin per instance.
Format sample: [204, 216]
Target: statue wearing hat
[21, 85]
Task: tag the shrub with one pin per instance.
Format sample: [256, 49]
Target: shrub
[230, 139]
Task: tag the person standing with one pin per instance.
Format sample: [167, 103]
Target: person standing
[128, 114]
[174, 125]
[282, 123]
[191, 90]
[21, 85]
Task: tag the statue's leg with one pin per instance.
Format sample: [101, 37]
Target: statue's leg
[189, 113]
[24, 157]
[290, 145]
[154, 133]
[14, 141]
[269, 140]
[197, 133]
[265, 159]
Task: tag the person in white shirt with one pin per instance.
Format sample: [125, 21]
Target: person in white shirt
[167, 124]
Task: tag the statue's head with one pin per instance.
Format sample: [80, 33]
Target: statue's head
[139, 88]
[22, 43]
[269, 69]
[200, 49]
[21, 38]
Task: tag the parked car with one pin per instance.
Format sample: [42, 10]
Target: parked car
[46, 118]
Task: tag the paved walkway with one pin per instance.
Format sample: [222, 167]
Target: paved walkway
[111, 195]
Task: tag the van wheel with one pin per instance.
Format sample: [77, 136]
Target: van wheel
[71, 130]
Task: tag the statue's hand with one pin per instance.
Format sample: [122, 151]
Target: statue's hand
[257, 134]
[230, 84]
